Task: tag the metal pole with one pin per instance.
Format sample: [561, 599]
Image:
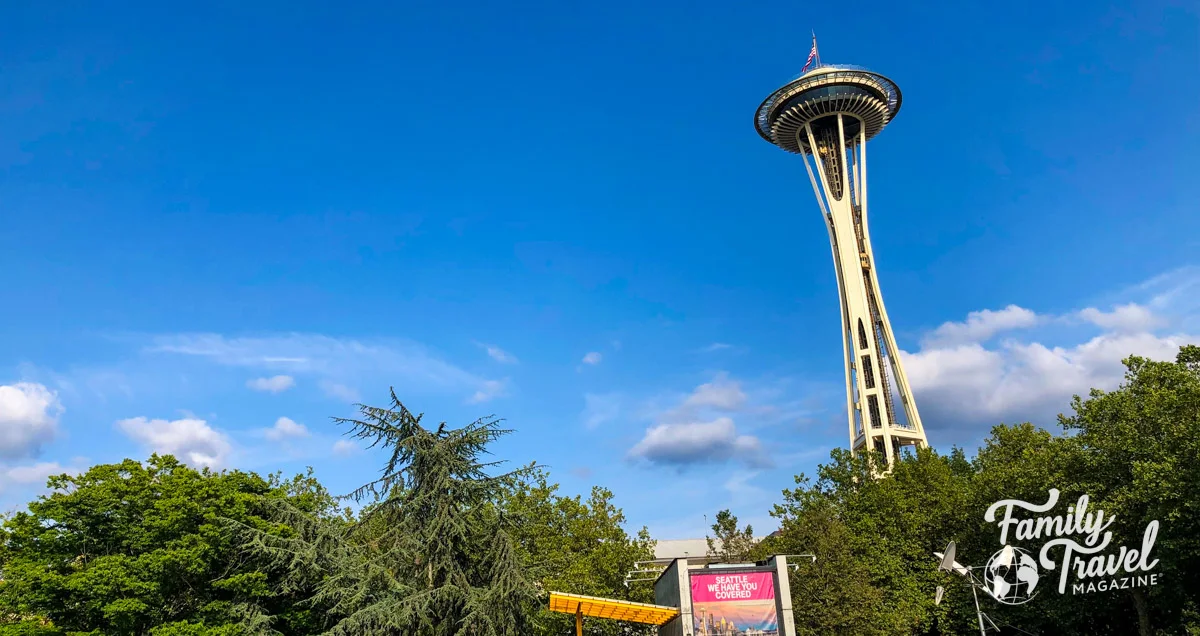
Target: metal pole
[978, 612]
[579, 619]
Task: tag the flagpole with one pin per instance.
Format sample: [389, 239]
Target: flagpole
[818, 51]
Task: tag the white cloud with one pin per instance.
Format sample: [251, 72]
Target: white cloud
[700, 428]
[981, 325]
[345, 448]
[1019, 381]
[488, 390]
[698, 442]
[962, 385]
[335, 361]
[593, 358]
[722, 393]
[498, 354]
[1131, 318]
[286, 428]
[191, 440]
[29, 415]
[716, 346]
[600, 409]
[31, 475]
[273, 384]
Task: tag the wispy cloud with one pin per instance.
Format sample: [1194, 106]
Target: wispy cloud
[722, 393]
[716, 346]
[738, 485]
[498, 354]
[599, 409]
[339, 391]
[592, 358]
[334, 362]
[273, 384]
[32, 475]
[490, 390]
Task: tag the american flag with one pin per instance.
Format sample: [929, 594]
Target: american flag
[812, 55]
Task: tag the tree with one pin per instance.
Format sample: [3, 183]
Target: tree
[832, 594]
[432, 555]
[1133, 450]
[730, 544]
[1141, 454]
[873, 539]
[134, 548]
[576, 546]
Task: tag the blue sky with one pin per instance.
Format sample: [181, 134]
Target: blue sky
[215, 217]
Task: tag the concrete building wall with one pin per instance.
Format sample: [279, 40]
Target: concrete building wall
[673, 589]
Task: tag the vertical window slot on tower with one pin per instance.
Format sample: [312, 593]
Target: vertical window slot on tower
[868, 372]
[862, 335]
[873, 407]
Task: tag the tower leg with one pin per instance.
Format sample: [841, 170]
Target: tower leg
[873, 369]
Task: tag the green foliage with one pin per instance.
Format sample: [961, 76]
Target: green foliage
[432, 555]
[29, 628]
[872, 539]
[730, 544]
[441, 547]
[1135, 451]
[576, 546]
[1140, 451]
[126, 547]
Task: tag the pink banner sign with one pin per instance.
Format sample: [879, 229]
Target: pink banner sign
[739, 604]
[748, 586]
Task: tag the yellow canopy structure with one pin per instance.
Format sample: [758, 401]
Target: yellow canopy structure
[581, 606]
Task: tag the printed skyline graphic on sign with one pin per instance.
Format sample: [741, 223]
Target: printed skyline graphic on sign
[734, 604]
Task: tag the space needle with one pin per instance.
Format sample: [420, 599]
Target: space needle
[826, 116]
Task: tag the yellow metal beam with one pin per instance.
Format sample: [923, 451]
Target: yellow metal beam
[597, 607]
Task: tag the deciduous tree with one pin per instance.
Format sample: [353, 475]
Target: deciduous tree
[135, 548]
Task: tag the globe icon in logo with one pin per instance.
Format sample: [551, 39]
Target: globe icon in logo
[1011, 576]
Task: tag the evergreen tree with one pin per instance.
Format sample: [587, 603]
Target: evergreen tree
[430, 555]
